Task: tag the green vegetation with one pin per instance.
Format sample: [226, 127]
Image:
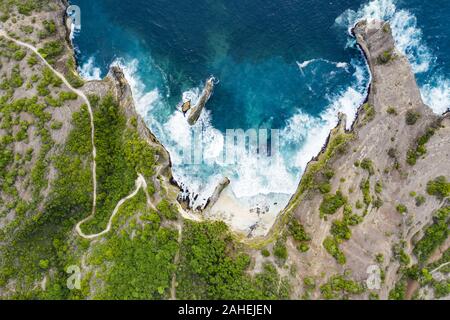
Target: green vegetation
[213, 267]
[167, 210]
[439, 187]
[367, 165]
[412, 117]
[379, 258]
[399, 291]
[40, 242]
[385, 57]
[331, 203]
[141, 257]
[48, 30]
[336, 145]
[265, 253]
[280, 250]
[401, 208]
[32, 60]
[297, 231]
[340, 230]
[121, 154]
[369, 113]
[340, 287]
[419, 150]
[434, 235]
[420, 200]
[392, 111]
[365, 188]
[378, 187]
[52, 50]
[332, 246]
[71, 74]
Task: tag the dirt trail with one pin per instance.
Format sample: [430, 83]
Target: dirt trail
[140, 181]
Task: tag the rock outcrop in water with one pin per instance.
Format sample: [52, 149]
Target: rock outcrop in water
[196, 111]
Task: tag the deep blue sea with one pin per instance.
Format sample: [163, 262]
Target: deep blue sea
[289, 65]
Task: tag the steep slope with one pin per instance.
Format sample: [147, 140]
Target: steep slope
[363, 201]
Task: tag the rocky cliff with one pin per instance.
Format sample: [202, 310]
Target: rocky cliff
[363, 202]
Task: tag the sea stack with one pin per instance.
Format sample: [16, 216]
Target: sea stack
[223, 183]
[196, 111]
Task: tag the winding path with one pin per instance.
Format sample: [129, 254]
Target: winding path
[91, 117]
[140, 181]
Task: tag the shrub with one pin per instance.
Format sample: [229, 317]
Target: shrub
[280, 250]
[439, 187]
[420, 200]
[331, 203]
[339, 287]
[51, 50]
[332, 246]
[167, 210]
[365, 188]
[385, 57]
[434, 235]
[265, 253]
[379, 258]
[412, 117]
[378, 187]
[399, 291]
[367, 165]
[392, 111]
[298, 231]
[411, 157]
[56, 125]
[369, 112]
[340, 230]
[401, 208]
[303, 247]
[19, 54]
[420, 149]
[325, 187]
[378, 203]
[32, 60]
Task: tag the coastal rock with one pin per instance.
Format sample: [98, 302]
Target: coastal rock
[217, 191]
[196, 111]
[186, 106]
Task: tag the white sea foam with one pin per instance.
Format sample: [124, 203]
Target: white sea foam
[304, 64]
[437, 95]
[89, 71]
[252, 176]
[315, 130]
[409, 40]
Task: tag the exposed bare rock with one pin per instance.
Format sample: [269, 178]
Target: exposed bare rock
[217, 191]
[196, 111]
[186, 106]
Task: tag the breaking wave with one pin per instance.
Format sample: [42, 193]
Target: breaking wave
[278, 176]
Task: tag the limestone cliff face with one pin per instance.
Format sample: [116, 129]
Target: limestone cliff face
[385, 129]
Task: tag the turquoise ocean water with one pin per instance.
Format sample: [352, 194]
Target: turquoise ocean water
[289, 65]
